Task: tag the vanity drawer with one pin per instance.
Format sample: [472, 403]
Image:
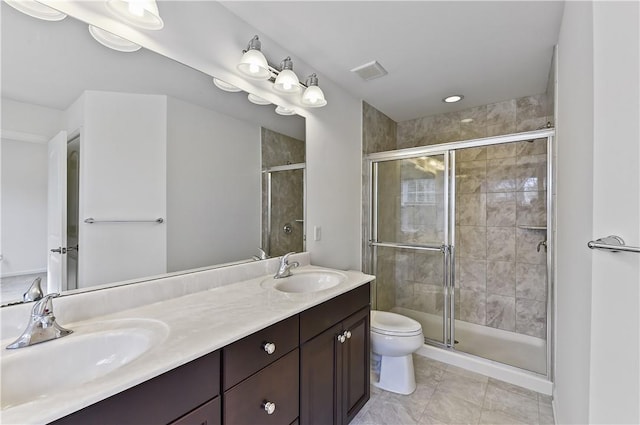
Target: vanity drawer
[323, 316]
[160, 400]
[278, 383]
[207, 414]
[245, 357]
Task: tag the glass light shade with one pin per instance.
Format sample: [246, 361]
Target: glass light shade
[287, 82]
[258, 100]
[281, 110]
[113, 41]
[223, 85]
[140, 13]
[313, 97]
[35, 9]
[254, 65]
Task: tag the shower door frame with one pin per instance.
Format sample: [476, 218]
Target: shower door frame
[267, 173]
[445, 247]
[369, 257]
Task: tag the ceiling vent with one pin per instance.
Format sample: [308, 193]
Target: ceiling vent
[370, 71]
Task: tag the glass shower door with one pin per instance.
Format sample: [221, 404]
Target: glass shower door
[410, 240]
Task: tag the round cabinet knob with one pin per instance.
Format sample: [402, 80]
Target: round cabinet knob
[269, 407]
[347, 334]
[269, 347]
[342, 338]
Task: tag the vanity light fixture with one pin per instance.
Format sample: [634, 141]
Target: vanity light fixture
[35, 9]
[453, 98]
[281, 110]
[253, 63]
[313, 95]
[287, 81]
[140, 13]
[258, 100]
[223, 85]
[113, 41]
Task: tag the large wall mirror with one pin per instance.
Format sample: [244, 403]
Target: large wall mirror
[118, 167]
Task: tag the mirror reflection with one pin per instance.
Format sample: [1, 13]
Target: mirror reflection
[121, 166]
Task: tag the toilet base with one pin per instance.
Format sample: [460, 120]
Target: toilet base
[397, 375]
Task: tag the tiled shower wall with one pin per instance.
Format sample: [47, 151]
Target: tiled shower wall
[500, 190]
[501, 274]
[287, 200]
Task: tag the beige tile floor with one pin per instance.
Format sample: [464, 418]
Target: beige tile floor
[449, 395]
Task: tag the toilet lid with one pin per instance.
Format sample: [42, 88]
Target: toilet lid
[388, 323]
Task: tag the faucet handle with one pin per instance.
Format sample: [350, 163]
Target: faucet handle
[285, 257]
[44, 305]
[34, 293]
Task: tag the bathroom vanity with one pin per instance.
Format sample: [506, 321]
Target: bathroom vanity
[244, 353]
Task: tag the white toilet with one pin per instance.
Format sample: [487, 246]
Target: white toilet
[394, 338]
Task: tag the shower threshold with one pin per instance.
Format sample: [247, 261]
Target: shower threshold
[513, 349]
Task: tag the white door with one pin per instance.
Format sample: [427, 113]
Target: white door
[57, 214]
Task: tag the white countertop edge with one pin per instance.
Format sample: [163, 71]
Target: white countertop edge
[199, 323]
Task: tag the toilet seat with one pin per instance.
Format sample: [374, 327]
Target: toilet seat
[392, 324]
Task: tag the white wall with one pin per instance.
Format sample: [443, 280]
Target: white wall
[598, 193]
[30, 119]
[213, 187]
[25, 130]
[615, 299]
[123, 177]
[574, 214]
[24, 207]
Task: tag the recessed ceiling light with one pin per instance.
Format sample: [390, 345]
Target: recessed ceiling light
[223, 85]
[453, 98]
[281, 110]
[258, 100]
[466, 120]
[113, 41]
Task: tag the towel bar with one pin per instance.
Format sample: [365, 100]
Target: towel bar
[91, 220]
[612, 243]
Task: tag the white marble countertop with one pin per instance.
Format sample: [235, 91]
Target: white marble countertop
[198, 324]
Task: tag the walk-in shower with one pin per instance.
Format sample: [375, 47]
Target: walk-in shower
[460, 240]
[283, 193]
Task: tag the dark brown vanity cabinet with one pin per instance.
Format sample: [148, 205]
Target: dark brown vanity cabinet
[311, 368]
[186, 395]
[334, 359]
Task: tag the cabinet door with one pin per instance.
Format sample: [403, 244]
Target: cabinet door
[207, 414]
[320, 364]
[355, 370]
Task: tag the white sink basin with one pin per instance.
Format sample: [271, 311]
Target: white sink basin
[306, 281]
[92, 351]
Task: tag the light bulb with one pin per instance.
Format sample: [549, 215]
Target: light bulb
[253, 68]
[136, 8]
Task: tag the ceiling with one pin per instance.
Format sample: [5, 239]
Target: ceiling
[487, 51]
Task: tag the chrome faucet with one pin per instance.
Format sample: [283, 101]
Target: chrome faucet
[34, 293]
[262, 255]
[42, 326]
[284, 270]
